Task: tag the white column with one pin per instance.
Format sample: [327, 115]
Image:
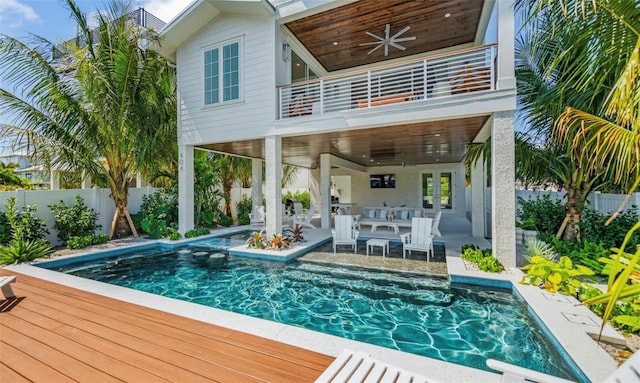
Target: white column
[55, 180]
[503, 212]
[141, 182]
[478, 212]
[273, 184]
[506, 45]
[256, 182]
[185, 188]
[325, 191]
[86, 181]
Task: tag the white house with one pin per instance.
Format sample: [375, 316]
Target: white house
[386, 95]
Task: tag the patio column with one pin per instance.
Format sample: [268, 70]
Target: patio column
[256, 182]
[273, 184]
[185, 188]
[506, 45]
[325, 191]
[478, 211]
[503, 212]
[55, 180]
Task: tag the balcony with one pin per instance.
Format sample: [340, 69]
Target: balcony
[437, 77]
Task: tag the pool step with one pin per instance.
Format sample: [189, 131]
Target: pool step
[359, 367]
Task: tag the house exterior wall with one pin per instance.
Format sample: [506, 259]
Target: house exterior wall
[255, 111]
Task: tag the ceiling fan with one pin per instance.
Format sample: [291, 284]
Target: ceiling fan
[388, 40]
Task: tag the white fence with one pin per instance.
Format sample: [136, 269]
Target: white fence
[603, 202]
[95, 198]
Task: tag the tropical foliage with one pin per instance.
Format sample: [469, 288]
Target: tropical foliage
[107, 107]
[74, 221]
[9, 180]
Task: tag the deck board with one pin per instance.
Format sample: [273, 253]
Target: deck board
[57, 333]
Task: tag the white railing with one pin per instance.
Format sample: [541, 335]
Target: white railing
[446, 75]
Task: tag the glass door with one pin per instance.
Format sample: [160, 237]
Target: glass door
[437, 191]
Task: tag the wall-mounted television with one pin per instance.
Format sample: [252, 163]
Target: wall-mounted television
[382, 181]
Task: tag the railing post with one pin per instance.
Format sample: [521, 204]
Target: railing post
[280, 104]
[321, 96]
[493, 67]
[424, 80]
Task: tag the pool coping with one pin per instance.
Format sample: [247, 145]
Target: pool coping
[570, 324]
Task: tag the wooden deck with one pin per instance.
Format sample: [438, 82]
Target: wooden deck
[53, 333]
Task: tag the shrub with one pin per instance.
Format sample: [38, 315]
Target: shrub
[543, 212]
[153, 226]
[76, 221]
[163, 204]
[592, 228]
[24, 225]
[5, 229]
[483, 258]
[303, 197]
[191, 234]
[100, 239]
[555, 276]
[85, 241]
[243, 209]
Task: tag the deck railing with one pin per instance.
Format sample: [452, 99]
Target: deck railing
[446, 75]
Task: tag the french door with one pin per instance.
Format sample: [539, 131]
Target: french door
[437, 191]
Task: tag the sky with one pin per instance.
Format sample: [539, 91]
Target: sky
[50, 18]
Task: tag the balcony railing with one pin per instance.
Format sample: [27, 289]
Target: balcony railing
[446, 75]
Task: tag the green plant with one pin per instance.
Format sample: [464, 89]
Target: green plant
[5, 229]
[542, 214]
[536, 247]
[490, 264]
[594, 229]
[21, 250]
[303, 197]
[99, 239]
[79, 242]
[163, 204]
[203, 231]
[74, 221]
[174, 236]
[243, 209]
[257, 240]
[191, 233]
[154, 227]
[24, 224]
[555, 276]
[472, 254]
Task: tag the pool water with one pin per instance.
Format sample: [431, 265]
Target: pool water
[422, 315]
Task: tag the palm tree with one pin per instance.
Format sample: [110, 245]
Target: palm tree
[107, 106]
[9, 179]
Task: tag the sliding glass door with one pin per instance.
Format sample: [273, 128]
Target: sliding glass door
[437, 191]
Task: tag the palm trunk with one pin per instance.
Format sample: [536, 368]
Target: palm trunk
[122, 225]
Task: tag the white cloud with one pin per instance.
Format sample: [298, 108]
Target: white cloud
[165, 10]
[13, 13]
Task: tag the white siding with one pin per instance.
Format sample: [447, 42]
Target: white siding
[255, 113]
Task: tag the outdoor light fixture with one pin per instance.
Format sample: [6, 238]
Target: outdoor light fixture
[286, 52]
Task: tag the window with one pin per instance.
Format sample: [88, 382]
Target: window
[222, 74]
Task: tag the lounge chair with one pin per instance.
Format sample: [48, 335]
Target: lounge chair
[344, 232]
[420, 238]
[351, 366]
[435, 230]
[304, 219]
[257, 216]
[5, 284]
[358, 367]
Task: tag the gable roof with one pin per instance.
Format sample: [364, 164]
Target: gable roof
[200, 13]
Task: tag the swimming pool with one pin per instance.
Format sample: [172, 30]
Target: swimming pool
[426, 316]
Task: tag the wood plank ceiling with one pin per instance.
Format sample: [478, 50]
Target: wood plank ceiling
[410, 144]
[334, 36]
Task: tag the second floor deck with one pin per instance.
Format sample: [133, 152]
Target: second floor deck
[445, 75]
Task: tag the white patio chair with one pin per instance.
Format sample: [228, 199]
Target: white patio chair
[420, 238]
[436, 223]
[257, 216]
[305, 219]
[344, 233]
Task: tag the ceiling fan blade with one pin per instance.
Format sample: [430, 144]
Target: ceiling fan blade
[401, 32]
[386, 50]
[375, 36]
[370, 43]
[374, 49]
[387, 30]
[397, 46]
[405, 39]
